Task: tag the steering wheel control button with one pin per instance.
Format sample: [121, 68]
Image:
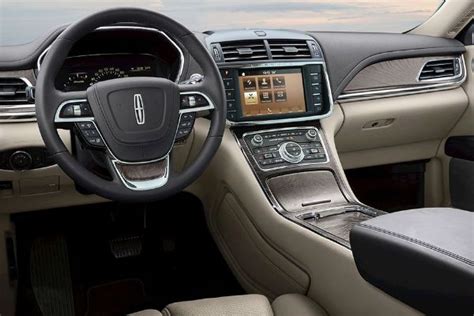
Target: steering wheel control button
[21, 160]
[73, 110]
[90, 134]
[286, 147]
[192, 101]
[186, 124]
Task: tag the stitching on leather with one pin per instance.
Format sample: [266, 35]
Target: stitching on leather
[421, 243]
[166, 311]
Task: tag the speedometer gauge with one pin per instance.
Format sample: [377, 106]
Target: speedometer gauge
[76, 79]
[107, 74]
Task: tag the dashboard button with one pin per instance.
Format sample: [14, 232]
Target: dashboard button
[230, 94]
[229, 83]
[231, 116]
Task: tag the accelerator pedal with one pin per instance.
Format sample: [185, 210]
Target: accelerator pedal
[126, 246]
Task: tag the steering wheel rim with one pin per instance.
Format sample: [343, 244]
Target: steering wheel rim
[49, 99]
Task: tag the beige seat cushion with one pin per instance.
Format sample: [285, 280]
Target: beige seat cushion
[242, 305]
[248, 305]
[296, 304]
[147, 312]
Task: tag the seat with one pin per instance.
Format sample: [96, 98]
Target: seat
[242, 305]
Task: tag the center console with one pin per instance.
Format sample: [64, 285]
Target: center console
[277, 90]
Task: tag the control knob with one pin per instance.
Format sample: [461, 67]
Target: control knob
[291, 152]
[257, 140]
[312, 135]
[20, 160]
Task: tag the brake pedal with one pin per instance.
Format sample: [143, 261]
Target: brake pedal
[126, 246]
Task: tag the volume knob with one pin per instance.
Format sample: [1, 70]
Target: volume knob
[257, 140]
[291, 152]
[312, 135]
[20, 160]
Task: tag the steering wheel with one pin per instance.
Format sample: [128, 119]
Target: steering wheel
[134, 120]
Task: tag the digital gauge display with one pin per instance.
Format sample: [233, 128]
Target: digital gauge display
[81, 72]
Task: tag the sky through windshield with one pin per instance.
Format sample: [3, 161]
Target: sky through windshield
[22, 21]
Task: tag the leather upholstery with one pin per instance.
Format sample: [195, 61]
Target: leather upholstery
[250, 305]
[296, 304]
[424, 257]
[242, 305]
[147, 312]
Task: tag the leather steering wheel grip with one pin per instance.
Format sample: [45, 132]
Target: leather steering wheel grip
[48, 98]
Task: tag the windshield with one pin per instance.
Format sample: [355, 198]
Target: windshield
[22, 21]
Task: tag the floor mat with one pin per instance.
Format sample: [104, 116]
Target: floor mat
[178, 259]
[116, 298]
[51, 276]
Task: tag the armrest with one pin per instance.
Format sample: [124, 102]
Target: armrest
[423, 257]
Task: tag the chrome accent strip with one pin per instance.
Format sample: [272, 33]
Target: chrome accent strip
[198, 108]
[58, 119]
[293, 119]
[285, 129]
[181, 55]
[393, 92]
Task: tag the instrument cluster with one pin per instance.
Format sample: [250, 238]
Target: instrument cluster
[81, 72]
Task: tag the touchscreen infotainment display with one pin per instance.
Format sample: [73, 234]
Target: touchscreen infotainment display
[271, 91]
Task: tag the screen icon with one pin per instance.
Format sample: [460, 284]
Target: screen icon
[264, 83]
[266, 97]
[251, 97]
[249, 83]
[280, 96]
[279, 81]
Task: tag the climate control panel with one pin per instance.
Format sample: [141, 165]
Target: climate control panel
[272, 149]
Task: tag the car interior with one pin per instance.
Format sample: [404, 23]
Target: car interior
[146, 169]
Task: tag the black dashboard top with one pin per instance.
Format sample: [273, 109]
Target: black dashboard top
[345, 52]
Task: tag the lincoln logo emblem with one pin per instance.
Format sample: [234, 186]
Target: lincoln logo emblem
[139, 108]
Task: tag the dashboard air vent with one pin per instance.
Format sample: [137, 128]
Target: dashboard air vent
[14, 103]
[244, 50]
[289, 49]
[440, 69]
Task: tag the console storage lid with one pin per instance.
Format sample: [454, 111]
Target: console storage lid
[423, 257]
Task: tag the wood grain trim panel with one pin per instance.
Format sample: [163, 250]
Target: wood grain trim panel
[396, 73]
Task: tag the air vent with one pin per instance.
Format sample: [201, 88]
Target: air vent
[289, 49]
[244, 51]
[14, 103]
[440, 69]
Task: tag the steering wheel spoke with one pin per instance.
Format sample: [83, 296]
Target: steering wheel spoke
[140, 176]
